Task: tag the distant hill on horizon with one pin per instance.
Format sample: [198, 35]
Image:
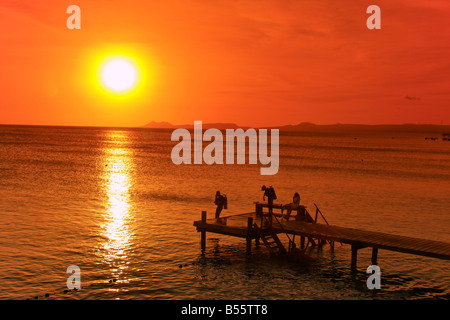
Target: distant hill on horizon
[167, 125]
[326, 128]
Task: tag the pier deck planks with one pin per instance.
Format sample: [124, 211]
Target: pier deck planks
[236, 225]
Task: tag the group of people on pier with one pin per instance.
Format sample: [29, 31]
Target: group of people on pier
[221, 202]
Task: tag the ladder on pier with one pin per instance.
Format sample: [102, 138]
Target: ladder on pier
[271, 241]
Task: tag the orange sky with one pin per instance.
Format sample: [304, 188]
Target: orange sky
[251, 62]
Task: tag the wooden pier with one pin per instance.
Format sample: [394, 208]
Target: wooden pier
[260, 225]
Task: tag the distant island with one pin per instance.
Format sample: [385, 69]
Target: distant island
[167, 125]
[316, 128]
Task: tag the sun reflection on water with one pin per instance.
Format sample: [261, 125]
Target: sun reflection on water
[118, 165]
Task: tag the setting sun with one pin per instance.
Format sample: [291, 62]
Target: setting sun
[118, 79]
[119, 74]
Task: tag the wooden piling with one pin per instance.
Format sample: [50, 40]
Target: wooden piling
[354, 257]
[258, 209]
[203, 232]
[249, 234]
[374, 255]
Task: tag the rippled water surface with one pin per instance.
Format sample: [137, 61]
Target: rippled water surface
[111, 201]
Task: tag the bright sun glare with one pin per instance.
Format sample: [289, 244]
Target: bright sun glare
[119, 75]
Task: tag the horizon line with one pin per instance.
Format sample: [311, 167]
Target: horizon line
[219, 123]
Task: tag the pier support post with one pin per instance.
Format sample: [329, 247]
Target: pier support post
[354, 257]
[249, 235]
[203, 232]
[302, 242]
[374, 255]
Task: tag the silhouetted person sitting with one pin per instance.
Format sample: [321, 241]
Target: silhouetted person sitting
[292, 206]
[220, 201]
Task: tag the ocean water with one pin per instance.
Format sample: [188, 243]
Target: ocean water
[111, 201]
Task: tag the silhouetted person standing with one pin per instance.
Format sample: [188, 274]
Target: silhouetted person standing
[270, 194]
[220, 202]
